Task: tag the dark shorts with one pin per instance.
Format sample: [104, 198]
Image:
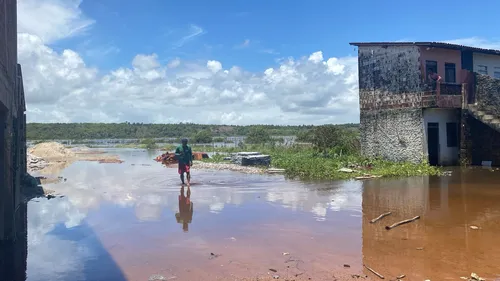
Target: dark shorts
[183, 168]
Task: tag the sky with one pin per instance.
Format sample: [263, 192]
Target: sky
[219, 62]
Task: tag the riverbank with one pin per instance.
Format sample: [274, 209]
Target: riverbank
[305, 163]
[51, 157]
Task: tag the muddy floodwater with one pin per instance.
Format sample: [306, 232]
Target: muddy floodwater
[132, 221]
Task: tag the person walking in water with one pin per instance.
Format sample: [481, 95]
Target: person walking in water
[184, 155]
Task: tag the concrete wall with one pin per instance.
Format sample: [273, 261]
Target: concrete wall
[447, 155]
[492, 62]
[441, 56]
[12, 125]
[396, 135]
[390, 85]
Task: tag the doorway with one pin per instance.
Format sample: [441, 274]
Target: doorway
[433, 143]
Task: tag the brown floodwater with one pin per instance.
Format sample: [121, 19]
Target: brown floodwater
[133, 221]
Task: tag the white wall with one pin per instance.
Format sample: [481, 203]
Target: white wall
[490, 61]
[447, 155]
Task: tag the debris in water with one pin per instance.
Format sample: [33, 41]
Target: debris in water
[213, 256]
[380, 217]
[474, 227]
[273, 270]
[367, 177]
[276, 276]
[346, 170]
[347, 266]
[475, 277]
[420, 248]
[401, 276]
[374, 272]
[402, 222]
[286, 254]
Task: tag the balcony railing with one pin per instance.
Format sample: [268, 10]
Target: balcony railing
[450, 89]
[445, 95]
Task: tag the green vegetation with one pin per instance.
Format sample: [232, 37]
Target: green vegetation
[258, 135]
[149, 144]
[203, 136]
[80, 131]
[332, 149]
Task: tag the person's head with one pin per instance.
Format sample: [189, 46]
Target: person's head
[184, 141]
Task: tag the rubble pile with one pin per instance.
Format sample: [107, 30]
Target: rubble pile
[48, 150]
[36, 163]
[251, 159]
[166, 158]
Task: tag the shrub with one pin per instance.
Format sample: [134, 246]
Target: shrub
[203, 136]
[258, 135]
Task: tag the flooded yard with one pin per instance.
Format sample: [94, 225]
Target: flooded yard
[133, 221]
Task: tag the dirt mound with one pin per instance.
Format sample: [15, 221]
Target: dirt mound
[51, 150]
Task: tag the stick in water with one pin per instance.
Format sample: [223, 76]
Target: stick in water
[380, 217]
[374, 272]
[402, 222]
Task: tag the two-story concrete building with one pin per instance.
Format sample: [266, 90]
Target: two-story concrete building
[408, 115]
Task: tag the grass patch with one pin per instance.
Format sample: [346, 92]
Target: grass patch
[304, 163]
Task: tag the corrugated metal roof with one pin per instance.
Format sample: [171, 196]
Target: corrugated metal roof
[430, 44]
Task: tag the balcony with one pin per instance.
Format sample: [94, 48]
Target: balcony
[446, 95]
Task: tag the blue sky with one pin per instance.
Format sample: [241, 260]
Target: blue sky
[273, 28]
[232, 62]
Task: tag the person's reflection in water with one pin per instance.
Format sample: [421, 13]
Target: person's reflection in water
[185, 214]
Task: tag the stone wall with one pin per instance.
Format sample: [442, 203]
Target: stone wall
[396, 135]
[390, 95]
[488, 94]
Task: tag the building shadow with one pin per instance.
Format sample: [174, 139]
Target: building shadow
[98, 264]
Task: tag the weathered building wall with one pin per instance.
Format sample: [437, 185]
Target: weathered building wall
[396, 134]
[491, 62]
[488, 94]
[11, 121]
[390, 97]
[442, 56]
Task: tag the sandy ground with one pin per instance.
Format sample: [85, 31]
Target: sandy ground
[49, 158]
[227, 166]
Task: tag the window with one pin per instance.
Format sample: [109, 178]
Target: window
[482, 69]
[496, 72]
[449, 73]
[451, 134]
[430, 65]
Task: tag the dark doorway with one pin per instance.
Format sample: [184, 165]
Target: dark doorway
[433, 143]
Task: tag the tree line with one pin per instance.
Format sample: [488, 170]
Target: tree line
[79, 131]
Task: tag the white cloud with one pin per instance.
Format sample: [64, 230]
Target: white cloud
[194, 31]
[214, 66]
[52, 20]
[477, 42]
[61, 87]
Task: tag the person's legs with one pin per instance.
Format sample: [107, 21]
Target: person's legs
[188, 173]
[181, 172]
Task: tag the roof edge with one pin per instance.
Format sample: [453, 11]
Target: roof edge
[442, 45]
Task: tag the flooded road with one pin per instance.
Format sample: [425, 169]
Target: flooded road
[133, 221]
